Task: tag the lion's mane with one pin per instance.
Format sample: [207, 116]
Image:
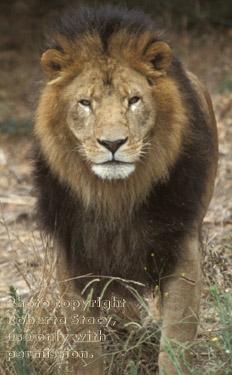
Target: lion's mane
[134, 243]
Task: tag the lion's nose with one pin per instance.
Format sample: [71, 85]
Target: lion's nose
[112, 146]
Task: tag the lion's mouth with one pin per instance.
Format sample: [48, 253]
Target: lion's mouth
[113, 170]
[114, 163]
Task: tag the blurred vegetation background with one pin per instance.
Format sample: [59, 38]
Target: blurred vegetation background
[25, 23]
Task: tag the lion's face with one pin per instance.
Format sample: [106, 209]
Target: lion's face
[110, 124]
[110, 120]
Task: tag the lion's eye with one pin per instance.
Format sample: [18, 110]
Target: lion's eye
[133, 100]
[86, 103]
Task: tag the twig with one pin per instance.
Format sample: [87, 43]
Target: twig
[104, 277]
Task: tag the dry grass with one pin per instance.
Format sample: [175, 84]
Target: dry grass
[131, 346]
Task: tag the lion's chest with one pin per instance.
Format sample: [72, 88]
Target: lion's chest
[134, 250]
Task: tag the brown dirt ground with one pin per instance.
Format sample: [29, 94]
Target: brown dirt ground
[21, 245]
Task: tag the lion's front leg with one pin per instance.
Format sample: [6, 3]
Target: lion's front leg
[85, 353]
[180, 301]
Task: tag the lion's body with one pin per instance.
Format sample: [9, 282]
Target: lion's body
[112, 93]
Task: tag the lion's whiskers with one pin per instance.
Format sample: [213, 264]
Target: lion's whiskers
[144, 150]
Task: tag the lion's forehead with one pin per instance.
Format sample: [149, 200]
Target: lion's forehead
[108, 79]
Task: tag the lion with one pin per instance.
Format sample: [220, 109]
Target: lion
[124, 166]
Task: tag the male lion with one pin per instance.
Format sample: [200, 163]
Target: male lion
[125, 163]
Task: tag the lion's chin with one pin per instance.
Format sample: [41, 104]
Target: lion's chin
[113, 171]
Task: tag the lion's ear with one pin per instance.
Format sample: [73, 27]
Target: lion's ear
[160, 55]
[52, 62]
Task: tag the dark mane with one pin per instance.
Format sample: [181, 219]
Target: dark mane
[105, 20]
